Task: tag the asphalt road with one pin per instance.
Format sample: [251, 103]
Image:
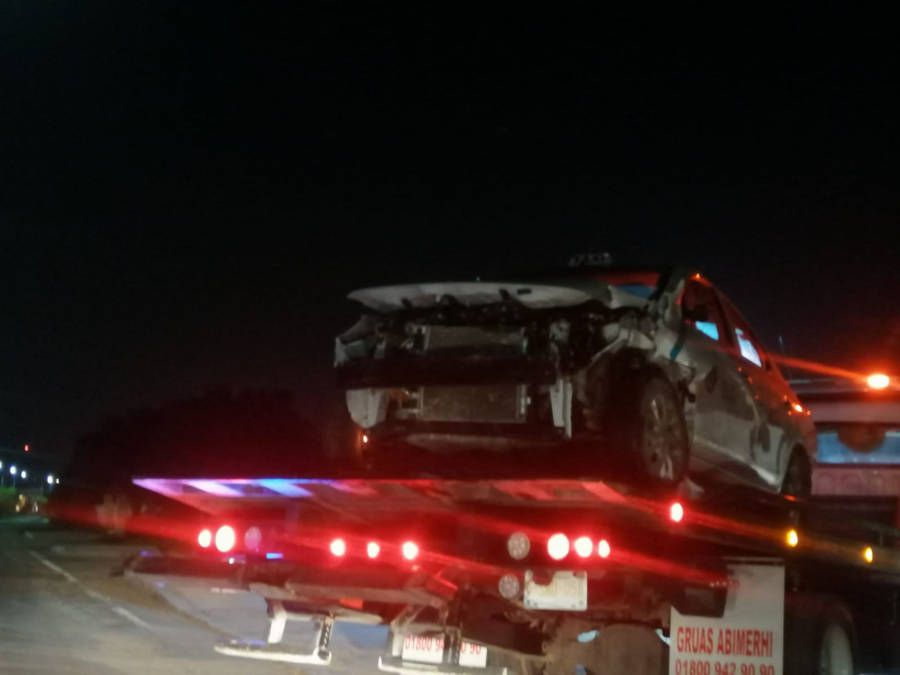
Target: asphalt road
[62, 611]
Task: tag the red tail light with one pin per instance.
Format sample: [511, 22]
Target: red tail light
[204, 538]
[338, 547]
[558, 546]
[583, 547]
[410, 550]
[373, 550]
[676, 512]
[604, 549]
[225, 538]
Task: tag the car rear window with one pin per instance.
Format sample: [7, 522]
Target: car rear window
[641, 284]
[859, 444]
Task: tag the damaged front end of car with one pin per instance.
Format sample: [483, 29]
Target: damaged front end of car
[492, 366]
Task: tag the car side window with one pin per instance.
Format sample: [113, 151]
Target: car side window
[701, 309]
[747, 344]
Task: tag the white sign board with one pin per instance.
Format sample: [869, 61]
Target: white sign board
[747, 640]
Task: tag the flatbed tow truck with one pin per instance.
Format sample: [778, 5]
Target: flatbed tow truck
[559, 576]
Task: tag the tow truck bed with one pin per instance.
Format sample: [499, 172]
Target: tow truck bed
[658, 558]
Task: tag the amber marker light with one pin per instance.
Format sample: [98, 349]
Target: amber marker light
[792, 538]
[868, 554]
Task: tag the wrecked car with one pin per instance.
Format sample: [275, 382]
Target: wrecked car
[581, 371]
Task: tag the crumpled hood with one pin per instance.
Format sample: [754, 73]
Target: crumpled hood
[475, 293]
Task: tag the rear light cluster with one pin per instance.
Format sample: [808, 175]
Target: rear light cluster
[408, 549]
[225, 538]
[559, 547]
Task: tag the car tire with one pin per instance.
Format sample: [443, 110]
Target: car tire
[798, 476]
[648, 425]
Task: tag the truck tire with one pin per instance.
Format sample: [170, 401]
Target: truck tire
[819, 636]
[647, 425]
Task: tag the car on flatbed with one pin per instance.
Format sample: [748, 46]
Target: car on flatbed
[584, 371]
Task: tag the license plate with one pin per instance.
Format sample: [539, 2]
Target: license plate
[430, 649]
[566, 590]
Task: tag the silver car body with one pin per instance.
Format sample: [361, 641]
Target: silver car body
[551, 336]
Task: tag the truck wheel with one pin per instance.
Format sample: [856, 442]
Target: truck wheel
[836, 652]
[652, 430]
[798, 477]
[818, 637]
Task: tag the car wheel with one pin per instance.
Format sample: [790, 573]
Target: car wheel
[653, 432]
[798, 477]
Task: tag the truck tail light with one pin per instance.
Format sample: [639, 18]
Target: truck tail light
[518, 545]
[252, 538]
[204, 538]
[225, 538]
[583, 547]
[603, 548]
[410, 550]
[558, 546]
[373, 550]
[338, 547]
[676, 512]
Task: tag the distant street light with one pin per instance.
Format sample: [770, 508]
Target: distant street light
[13, 469]
[24, 474]
[49, 479]
[57, 481]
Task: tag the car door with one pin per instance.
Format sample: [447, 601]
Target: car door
[770, 397]
[724, 413]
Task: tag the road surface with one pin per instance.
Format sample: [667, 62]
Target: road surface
[62, 611]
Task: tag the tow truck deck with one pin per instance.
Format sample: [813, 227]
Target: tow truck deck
[503, 576]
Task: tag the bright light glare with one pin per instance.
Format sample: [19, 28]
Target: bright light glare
[204, 538]
[338, 547]
[49, 479]
[13, 469]
[676, 512]
[878, 381]
[558, 546]
[792, 538]
[868, 554]
[583, 547]
[603, 549]
[24, 473]
[225, 538]
[373, 550]
[410, 550]
[365, 439]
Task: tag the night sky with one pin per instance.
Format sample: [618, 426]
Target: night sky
[188, 191]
